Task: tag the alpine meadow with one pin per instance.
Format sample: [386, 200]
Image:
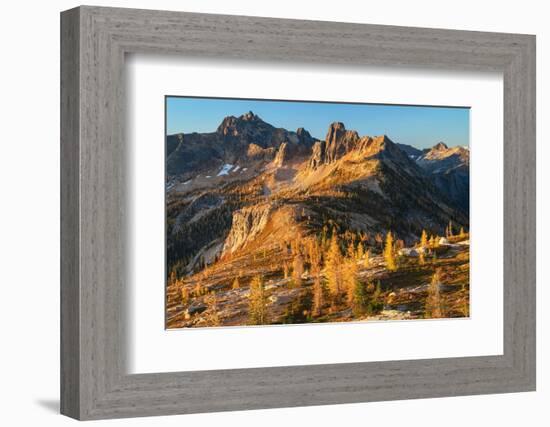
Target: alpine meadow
[294, 212]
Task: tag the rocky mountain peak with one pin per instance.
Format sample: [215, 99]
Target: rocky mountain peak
[339, 141]
[237, 133]
[235, 126]
[440, 146]
[301, 132]
[441, 151]
[383, 148]
[335, 130]
[249, 117]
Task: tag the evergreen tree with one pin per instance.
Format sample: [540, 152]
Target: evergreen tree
[424, 239]
[257, 303]
[389, 255]
[299, 310]
[376, 304]
[360, 299]
[377, 292]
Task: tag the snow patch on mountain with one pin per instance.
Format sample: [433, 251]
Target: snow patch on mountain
[225, 169]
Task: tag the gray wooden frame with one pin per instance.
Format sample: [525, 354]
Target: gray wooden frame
[94, 41]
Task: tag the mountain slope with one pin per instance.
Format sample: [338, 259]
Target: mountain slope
[365, 184]
[449, 169]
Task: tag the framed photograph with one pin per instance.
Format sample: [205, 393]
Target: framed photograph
[267, 226]
[262, 213]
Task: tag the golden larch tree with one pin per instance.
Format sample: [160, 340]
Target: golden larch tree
[360, 253]
[318, 291]
[389, 254]
[334, 261]
[349, 277]
[366, 258]
[184, 296]
[351, 250]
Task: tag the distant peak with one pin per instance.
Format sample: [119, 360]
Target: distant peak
[304, 137]
[336, 131]
[440, 146]
[232, 125]
[383, 138]
[250, 116]
[337, 126]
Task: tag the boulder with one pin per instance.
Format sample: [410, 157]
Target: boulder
[195, 309]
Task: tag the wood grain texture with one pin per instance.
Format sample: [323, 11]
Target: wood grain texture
[95, 383]
[70, 291]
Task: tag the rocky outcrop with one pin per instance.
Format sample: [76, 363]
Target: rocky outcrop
[281, 155]
[247, 224]
[172, 142]
[255, 152]
[304, 138]
[317, 156]
[339, 141]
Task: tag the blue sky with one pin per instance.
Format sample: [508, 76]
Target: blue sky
[414, 125]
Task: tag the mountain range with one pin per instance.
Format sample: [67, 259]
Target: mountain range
[248, 186]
